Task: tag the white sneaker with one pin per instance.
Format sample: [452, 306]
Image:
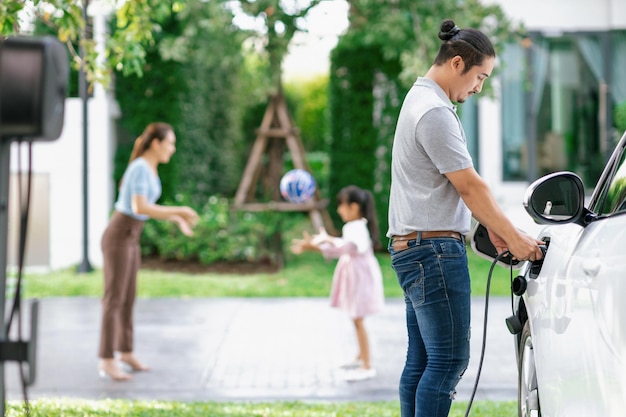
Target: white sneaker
[359, 374]
[356, 363]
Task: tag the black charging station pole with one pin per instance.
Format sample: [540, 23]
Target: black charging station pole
[85, 265]
[18, 350]
[5, 158]
[33, 79]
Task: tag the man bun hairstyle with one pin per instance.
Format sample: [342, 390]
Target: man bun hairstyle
[470, 44]
[448, 30]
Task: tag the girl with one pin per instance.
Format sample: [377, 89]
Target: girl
[357, 286]
[139, 190]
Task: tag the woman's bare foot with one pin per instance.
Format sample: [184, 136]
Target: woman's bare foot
[107, 368]
[132, 362]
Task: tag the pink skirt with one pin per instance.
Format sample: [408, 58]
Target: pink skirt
[357, 286]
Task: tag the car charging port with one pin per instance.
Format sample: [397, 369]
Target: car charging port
[536, 266]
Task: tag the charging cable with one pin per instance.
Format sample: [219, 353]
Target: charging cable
[16, 308]
[484, 342]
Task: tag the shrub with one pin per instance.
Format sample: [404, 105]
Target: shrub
[221, 234]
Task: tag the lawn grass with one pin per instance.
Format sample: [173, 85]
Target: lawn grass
[84, 408]
[307, 275]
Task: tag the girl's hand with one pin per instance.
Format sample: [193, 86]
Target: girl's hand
[298, 246]
[321, 237]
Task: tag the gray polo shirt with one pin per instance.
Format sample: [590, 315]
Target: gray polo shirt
[429, 142]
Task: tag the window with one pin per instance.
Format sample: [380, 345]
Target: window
[613, 194]
[514, 138]
[552, 103]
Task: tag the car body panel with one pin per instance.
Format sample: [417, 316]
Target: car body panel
[573, 300]
[574, 309]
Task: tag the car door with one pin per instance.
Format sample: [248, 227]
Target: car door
[576, 307]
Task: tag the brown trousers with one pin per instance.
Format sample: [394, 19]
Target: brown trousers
[121, 261]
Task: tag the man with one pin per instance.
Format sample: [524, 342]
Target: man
[434, 193]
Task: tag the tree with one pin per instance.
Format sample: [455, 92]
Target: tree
[126, 45]
[192, 79]
[406, 30]
[387, 45]
[281, 20]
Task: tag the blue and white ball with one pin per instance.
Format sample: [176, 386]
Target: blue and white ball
[297, 186]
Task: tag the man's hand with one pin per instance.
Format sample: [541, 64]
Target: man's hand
[522, 247]
[498, 242]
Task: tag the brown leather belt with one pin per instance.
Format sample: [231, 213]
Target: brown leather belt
[402, 242]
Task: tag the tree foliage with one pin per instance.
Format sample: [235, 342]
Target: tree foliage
[363, 107]
[308, 100]
[126, 45]
[388, 44]
[406, 30]
[191, 82]
[212, 104]
[181, 61]
[280, 22]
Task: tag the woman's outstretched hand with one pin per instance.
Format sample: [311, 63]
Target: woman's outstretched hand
[184, 226]
[189, 215]
[185, 219]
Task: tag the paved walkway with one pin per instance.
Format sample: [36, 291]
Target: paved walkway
[231, 349]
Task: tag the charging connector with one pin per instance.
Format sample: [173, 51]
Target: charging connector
[518, 287]
[484, 341]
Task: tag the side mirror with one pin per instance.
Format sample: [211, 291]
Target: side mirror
[556, 198]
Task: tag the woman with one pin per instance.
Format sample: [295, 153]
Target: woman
[139, 190]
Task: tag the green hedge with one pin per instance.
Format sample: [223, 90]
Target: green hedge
[221, 234]
[364, 106]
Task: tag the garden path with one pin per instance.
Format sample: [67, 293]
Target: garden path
[233, 349]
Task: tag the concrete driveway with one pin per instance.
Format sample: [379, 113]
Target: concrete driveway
[231, 349]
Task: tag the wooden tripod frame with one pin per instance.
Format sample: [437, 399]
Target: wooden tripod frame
[276, 131]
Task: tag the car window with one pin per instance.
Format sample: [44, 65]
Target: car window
[613, 198]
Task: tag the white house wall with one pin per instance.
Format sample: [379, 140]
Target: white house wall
[62, 161]
[565, 15]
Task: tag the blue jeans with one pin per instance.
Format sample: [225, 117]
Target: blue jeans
[434, 276]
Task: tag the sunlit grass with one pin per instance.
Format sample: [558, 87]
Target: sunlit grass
[84, 408]
[307, 275]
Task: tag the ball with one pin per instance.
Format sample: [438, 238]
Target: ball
[297, 186]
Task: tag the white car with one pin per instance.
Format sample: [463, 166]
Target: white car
[569, 318]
